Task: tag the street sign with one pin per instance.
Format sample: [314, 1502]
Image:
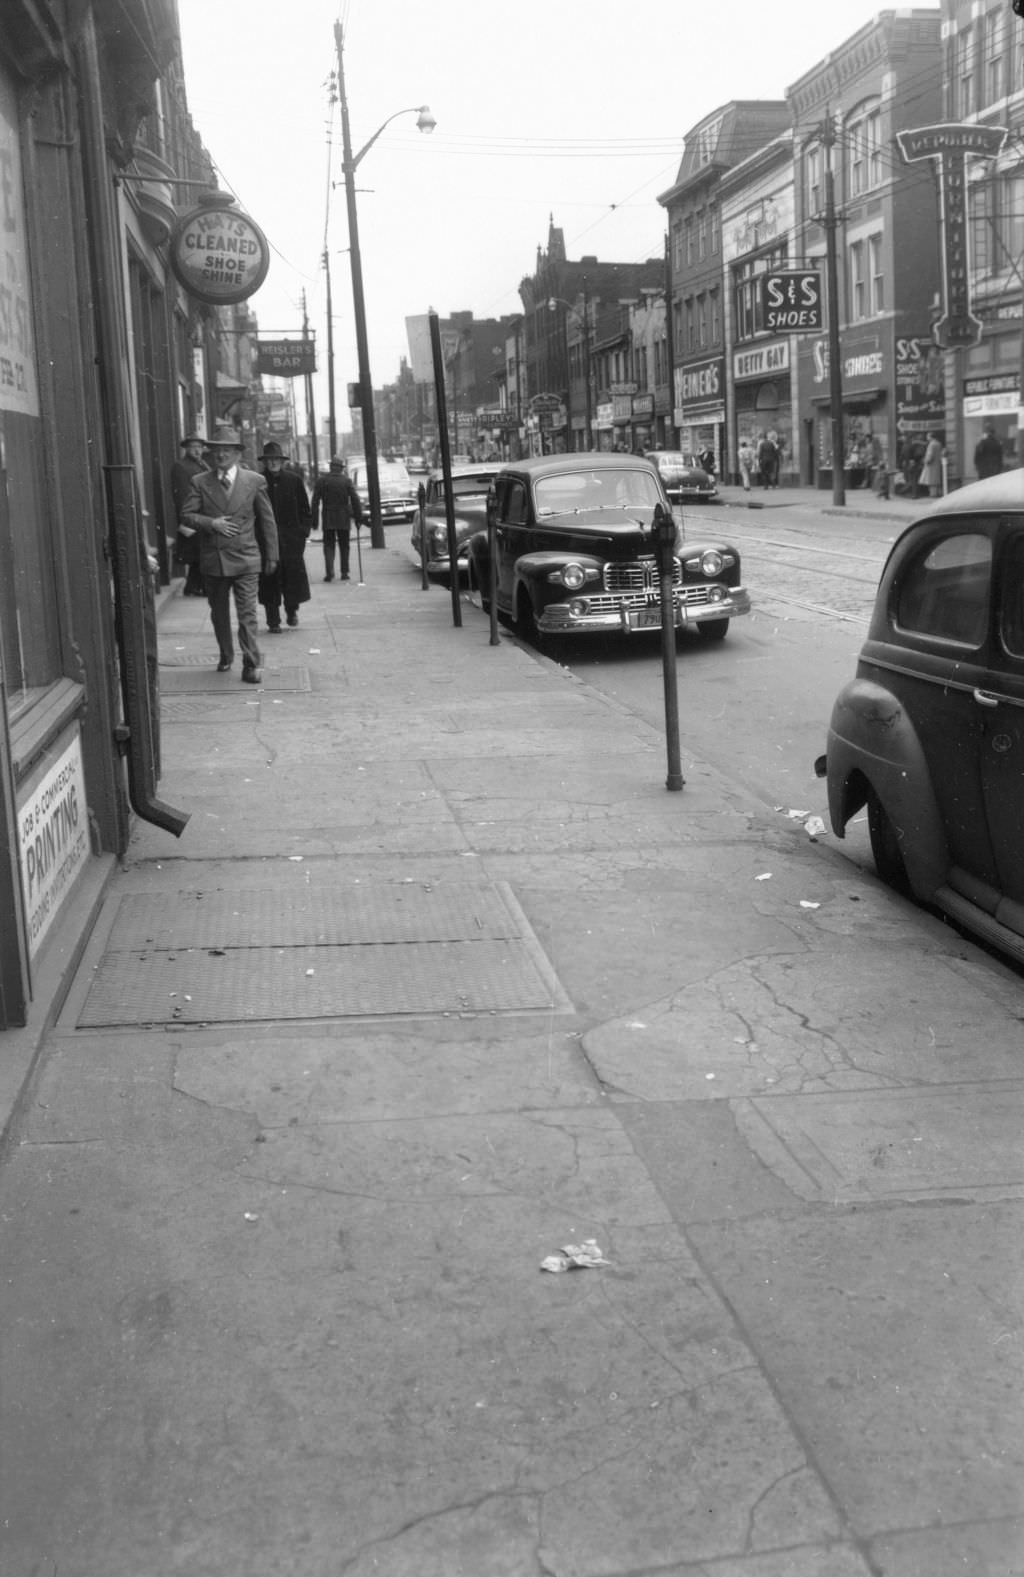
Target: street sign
[951, 144]
[791, 301]
[217, 253]
[285, 358]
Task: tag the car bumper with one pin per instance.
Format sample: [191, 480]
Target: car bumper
[441, 565]
[583, 616]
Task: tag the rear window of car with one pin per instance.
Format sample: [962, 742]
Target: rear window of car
[944, 592]
[463, 486]
[392, 471]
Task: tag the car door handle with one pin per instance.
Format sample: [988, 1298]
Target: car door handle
[986, 698]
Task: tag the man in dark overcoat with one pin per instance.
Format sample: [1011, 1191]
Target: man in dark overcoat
[229, 508]
[186, 544]
[289, 583]
[341, 504]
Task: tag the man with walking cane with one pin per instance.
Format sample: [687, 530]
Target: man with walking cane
[341, 505]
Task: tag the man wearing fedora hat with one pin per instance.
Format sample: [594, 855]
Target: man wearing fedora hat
[229, 508]
[186, 543]
[290, 502]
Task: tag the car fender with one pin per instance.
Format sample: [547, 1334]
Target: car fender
[532, 571]
[871, 742]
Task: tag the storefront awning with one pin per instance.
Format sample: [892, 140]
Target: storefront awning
[851, 396]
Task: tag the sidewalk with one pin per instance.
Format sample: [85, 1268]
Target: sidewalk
[439, 980]
[861, 502]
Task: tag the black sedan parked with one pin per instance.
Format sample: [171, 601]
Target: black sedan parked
[929, 735]
[470, 486]
[575, 552]
[685, 481]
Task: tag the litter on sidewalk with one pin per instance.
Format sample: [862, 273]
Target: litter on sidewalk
[575, 1256]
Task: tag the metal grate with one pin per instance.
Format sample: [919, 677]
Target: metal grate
[190, 681]
[398, 949]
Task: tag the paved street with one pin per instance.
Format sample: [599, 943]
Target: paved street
[438, 981]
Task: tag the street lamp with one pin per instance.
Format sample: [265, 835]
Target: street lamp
[424, 122]
[584, 320]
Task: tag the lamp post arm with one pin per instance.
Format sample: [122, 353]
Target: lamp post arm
[357, 159]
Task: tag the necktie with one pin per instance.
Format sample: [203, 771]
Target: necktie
[222, 477]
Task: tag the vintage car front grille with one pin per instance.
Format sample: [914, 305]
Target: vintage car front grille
[609, 602]
[639, 576]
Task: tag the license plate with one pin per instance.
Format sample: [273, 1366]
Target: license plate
[645, 618]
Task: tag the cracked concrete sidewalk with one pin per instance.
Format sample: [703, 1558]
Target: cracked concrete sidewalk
[272, 1301]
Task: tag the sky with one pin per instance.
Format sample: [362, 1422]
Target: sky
[575, 109]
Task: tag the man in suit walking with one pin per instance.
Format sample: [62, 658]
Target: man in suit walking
[290, 503]
[228, 506]
[341, 505]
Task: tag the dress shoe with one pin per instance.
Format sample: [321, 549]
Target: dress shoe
[273, 629]
[346, 577]
[252, 675]
[293, 620]
[224, 664]
[328, 578]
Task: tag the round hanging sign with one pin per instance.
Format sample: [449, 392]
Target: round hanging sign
[219, 254]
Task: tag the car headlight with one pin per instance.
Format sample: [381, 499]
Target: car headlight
[711, 563]
[572, 576]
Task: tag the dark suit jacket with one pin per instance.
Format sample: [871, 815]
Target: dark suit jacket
[248, 506]
[341, 503]
[290, 503]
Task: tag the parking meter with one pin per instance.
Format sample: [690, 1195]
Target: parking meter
[663, 535]
[421, 496]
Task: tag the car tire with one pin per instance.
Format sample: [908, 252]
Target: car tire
[526, 623]
[886, 846]
[713, 629]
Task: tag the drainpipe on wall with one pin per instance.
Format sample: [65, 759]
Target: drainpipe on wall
[135, 622]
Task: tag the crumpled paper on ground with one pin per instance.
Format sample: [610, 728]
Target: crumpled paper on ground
[575, 1256]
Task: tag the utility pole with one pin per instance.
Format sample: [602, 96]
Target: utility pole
[835, 372]
[332, 427]
[377, 539]
[310, 407]
[586, 366]
[670, 346]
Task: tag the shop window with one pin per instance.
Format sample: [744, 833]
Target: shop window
[876, 278]
[995, 54]
[858, 282]
[813, 181]
[965, 85]
[28, 590]
[864, 153]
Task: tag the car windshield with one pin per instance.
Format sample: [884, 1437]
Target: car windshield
[392, 471]
[464, 486]
[634, 492]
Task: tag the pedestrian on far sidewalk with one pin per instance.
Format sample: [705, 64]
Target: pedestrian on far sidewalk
[288, 583]
[988, 452]
[768, 461]
[931, 469]
[229, 508]
[341, 504]
[745, 455]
